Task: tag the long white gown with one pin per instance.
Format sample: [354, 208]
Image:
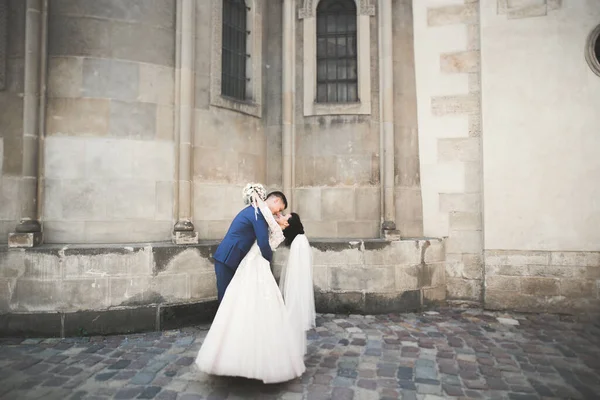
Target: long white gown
[252, 334]
[297, 287]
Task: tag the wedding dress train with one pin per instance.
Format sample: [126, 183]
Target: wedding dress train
[252, 335]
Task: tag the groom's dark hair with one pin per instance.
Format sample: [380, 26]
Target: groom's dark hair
[280, 195]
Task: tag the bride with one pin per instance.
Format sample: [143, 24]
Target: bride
[255, 334]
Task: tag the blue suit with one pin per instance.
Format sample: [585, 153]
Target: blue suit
[246, 228]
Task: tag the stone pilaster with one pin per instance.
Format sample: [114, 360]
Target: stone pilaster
[288, 90]
[183, 232]
[386, 76]
[28, 232]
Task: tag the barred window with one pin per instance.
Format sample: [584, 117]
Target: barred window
[337, 80]
[234, 53]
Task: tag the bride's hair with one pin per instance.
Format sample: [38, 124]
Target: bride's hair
[294, 229]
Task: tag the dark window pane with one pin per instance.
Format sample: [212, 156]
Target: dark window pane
[322, 93]
[597, 49]
[336, 51]
[233, 76]
[321, 48]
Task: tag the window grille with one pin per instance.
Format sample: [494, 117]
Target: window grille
[234, 54]
[337, 80]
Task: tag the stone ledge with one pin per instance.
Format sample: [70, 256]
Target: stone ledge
[107, 322]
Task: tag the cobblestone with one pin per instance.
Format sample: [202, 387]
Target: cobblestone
[428, 356]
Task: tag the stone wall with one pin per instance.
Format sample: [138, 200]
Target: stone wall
[542, 281]
[109, 147]
[447, 59]
[337, 161]
[230, 147]
[370, 277]
[409, 203]
[11, 117]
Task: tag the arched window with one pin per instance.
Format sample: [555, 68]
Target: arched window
[337, 78]
[234, 53]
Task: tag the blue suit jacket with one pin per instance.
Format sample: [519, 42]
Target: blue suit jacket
[244, 230]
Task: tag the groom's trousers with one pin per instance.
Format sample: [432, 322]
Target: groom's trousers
[224, 276]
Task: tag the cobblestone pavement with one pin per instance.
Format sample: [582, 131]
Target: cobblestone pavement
[433, 355]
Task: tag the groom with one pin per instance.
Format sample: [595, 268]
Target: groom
[244, 230]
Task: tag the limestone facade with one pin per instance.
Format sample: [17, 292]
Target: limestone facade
[474, 125]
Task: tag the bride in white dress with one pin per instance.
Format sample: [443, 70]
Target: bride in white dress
[254, 335]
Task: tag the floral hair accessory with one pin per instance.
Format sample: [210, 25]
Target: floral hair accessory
[253, 188]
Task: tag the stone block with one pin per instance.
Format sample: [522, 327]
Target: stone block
[320, 229]
[343, 303]
[460, 62]
[464, 289]
[459, 149]
[176, 260]
[133, 120]
[402, 252]
[172, 287]
[504, 283]
[77, 117]
[377, 303]
[211, 202]
[357, 170]
[15, 73]
[473, 177]
[31, 325]
[455, 105]
[337, 204]
[128, 291]
[83, 200]
[125, 232]
[24, 239]
[467, 221]
[307, 203]
[453, 14]
[165, 195]
[464, 242]
[465, 202]
[435, 251]
[535, 10]
[113, 79]
[65, 157]
[322, 172]
[165, 129]
[213, 165]
[501, 257]
[407, 278]
[367, 202]
[130, 199]
[76, 36]
[143, 43]
[575, 258]
[578, 288]
[176, 316]
[250, 168]
[62, 231]
[186, 237]
[343, 254]
[65, 76]
[321, 278]
[9, 198]
[37, 295]
[108, 158]
[372, 279]
[154, 160]
[156, 84]
[203, 286]
[554, 271]
[358, 229]
[110, 322]
[434, 295]
[539, 286]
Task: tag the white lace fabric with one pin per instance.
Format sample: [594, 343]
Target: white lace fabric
[275, 232]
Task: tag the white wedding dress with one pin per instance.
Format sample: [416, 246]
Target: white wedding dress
[252, 334]
[297, 287]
